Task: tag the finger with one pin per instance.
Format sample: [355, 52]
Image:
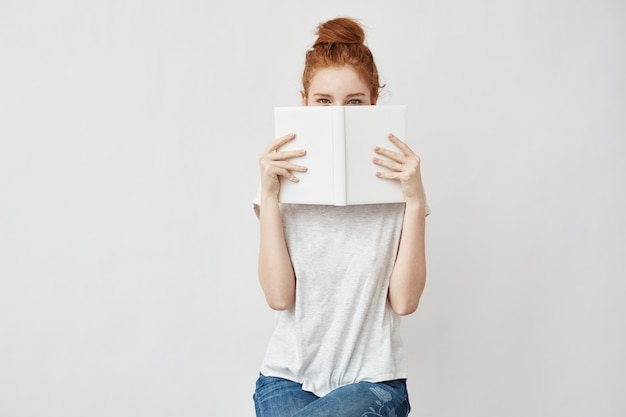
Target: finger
[402, 176]
[398, 157]
[386, 163]
[406, 150]
[280, 142]
[389, 175]
[289, 166]
[282, 172]
[279, 156]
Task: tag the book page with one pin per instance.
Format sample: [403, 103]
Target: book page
[367, 127]
[315, 131]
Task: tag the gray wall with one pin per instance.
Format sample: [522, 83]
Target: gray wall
[128, 140]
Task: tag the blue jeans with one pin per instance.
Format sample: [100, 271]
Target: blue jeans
[278, 397]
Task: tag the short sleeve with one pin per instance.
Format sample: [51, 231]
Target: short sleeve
[256, 203]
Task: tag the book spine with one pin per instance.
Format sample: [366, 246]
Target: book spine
[339, 156]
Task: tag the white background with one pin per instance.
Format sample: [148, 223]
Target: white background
[129, 132]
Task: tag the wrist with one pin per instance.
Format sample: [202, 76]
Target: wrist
[269, 198]
[417, 206]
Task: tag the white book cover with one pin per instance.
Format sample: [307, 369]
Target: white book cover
[340, 142]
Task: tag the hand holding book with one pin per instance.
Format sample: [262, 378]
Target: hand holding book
[403, 167]
[275, 163]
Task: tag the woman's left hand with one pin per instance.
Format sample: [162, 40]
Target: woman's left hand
[402, 166]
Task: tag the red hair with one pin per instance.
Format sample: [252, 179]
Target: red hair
[339, 42]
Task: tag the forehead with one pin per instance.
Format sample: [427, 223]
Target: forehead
[337, 81]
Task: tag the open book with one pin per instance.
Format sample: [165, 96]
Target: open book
[340, 142]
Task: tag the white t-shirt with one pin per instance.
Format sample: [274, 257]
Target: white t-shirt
[341, 328]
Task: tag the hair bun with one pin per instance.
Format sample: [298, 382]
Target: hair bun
[340, 30]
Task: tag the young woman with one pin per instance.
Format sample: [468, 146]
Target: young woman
[340, 276]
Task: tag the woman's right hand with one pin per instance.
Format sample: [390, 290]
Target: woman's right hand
[275, 164]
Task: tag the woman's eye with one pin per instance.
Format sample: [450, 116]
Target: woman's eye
[354, 102]
[324, 101]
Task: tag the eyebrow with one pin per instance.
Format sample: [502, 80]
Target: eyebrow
[322, 95]
[326, 95]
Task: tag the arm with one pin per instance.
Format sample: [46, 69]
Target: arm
[276, 274]
[409, 273]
